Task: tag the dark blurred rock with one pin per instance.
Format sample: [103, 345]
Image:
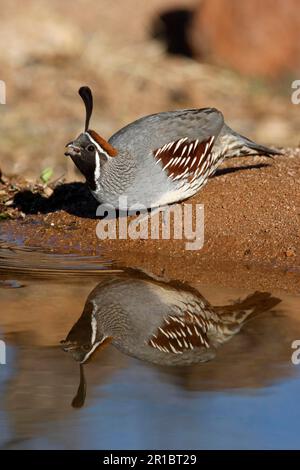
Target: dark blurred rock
[171, 28]
[258, 38]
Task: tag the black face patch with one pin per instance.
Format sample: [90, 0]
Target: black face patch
[87, 168]
[81, 332]
[86, 159]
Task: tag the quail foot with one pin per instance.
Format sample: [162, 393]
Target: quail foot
[159, 159]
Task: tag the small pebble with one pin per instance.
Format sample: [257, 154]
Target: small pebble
[290, 252]
[48, 191]
[9, 203]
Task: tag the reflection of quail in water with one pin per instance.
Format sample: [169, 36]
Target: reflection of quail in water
[158, 159]
[163, 323]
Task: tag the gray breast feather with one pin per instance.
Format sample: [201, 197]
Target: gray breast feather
[151, 132]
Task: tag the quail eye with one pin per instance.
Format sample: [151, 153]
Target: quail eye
[86, 347]
[91, 148]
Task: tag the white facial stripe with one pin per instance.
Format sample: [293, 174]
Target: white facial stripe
[92, 350]
[94, 329]
[98, 146]
[97, 170]
[93, 339]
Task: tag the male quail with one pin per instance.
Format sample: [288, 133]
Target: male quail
[166, 323]
[158, 159]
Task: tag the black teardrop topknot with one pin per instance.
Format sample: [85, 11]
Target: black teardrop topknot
[87, 97]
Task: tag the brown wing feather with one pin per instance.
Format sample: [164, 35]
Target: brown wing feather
[185, 157]
[181, 333]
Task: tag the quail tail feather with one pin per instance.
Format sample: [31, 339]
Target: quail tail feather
[244, 310]
[237, 145]
[252, 148]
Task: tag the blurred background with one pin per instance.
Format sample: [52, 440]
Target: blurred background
[140, 58]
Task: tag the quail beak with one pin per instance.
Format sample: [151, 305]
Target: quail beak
[72, 150]
[68, 346]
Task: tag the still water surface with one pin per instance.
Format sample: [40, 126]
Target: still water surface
[246, 396]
